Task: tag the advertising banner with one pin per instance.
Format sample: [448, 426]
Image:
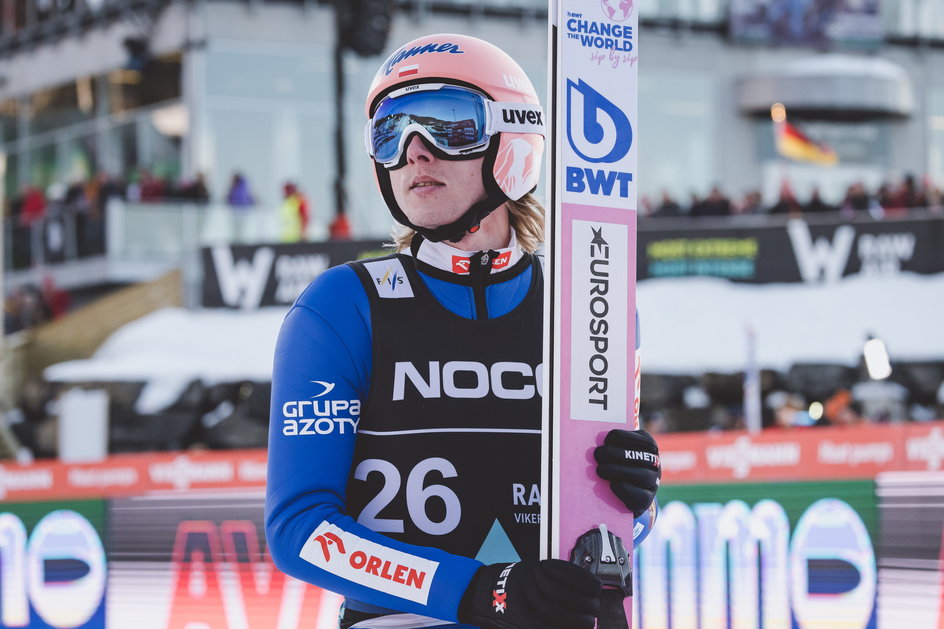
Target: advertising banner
[772, 555]
[799, 251]
[805, 453]
[134, 474]
[250, 276]
[816, 23]
[176, 541]
[53, 567]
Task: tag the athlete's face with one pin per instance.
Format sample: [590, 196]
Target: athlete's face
[432, 191]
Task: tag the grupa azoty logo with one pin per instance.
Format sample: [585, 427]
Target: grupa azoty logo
[598, 131]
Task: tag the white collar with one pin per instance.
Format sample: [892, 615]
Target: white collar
[448, 258]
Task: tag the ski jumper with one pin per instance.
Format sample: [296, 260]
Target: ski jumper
[405, 434]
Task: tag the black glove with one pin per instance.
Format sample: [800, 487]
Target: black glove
[629, 459]
[531, 595]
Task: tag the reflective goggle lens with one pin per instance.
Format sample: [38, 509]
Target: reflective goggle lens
[453, 117]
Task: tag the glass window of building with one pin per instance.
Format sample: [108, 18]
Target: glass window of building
[676, 142]
[61, 106]
[936, 136]
[9, 120]
[154, 80]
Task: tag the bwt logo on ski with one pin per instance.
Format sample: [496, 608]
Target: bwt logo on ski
[370, 564]
[320, 417]
[599, 326]
[599, 133]
[466, 379]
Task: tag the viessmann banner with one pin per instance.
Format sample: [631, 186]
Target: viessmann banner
[801, 454]
[175, 540]
[799, 251]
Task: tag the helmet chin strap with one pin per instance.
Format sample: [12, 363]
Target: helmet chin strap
[468, 223]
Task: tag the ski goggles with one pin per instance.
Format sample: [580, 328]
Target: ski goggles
[456, 120]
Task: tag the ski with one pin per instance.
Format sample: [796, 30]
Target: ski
[592, 377]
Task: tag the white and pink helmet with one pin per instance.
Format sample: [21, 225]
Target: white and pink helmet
[514, 143]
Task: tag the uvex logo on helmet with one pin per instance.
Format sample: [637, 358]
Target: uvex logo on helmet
[432, 47]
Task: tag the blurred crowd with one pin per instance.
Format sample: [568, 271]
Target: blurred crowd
[29, 305]
[889, 199]
[804, 397]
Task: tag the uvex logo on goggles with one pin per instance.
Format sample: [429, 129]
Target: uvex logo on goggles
[456, 120]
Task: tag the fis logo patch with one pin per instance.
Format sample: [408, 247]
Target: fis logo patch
[389, 278]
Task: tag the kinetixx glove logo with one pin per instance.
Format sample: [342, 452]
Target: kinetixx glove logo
[499, 594]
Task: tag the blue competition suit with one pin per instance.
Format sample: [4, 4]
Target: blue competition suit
[404, 437]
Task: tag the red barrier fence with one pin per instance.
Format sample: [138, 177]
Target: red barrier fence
[801, 454]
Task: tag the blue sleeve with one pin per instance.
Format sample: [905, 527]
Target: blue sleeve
[320, 378]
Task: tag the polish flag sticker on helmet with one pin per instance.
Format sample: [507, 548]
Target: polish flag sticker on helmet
[408, 70]
[369, 564]
[389, 278]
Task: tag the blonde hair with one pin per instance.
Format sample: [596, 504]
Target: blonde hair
[526, 217]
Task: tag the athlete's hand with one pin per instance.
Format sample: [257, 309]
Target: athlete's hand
[551, 594]
[629, 459]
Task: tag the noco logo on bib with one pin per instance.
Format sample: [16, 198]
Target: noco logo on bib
[367, 563]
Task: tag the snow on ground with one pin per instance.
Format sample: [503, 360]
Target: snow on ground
[689, 325]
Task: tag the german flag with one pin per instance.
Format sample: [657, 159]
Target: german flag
[793, 144]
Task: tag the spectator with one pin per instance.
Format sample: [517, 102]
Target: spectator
[56, 300]
[787, 203]
[340, 228]
[858, 200]
[195, 190]
[933, 195]
[12, 317]
[752, 203]
[239, 196]
[716, 204]
[294, 214]
[816, 204]
[841, 410]
[696, 205]
[33, 207]
[151, 188]
[668, 206]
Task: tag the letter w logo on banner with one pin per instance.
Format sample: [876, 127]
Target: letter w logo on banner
[242, 282]
[820, 260]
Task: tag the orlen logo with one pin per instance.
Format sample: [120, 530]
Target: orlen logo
[367, 563]
[461, 265]
[598, 132]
